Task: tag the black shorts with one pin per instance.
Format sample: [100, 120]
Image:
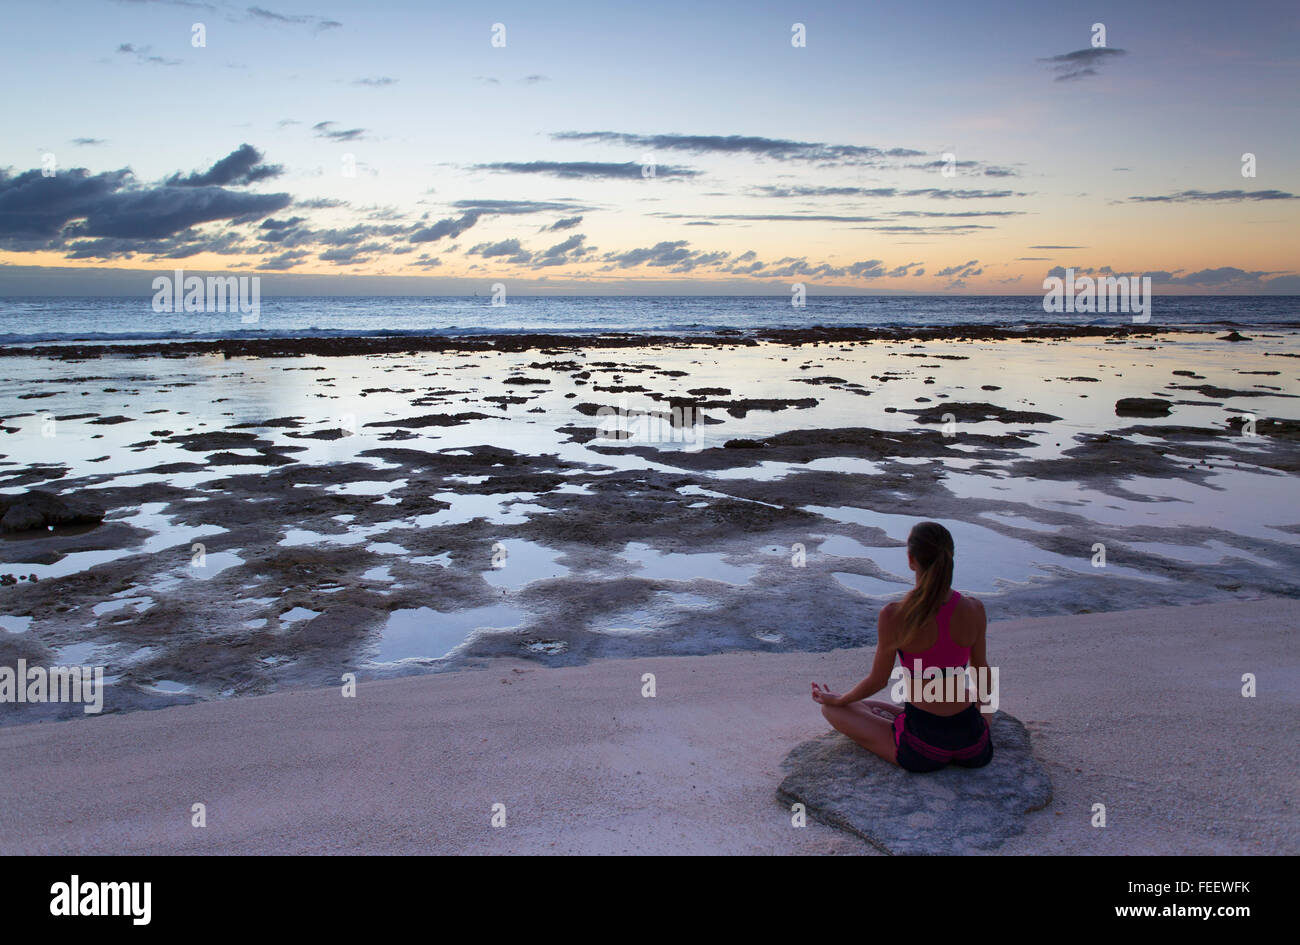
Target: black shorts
[928, 742]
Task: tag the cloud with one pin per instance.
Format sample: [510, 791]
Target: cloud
[954, 229]
[962, 270]
[973, 166]
[782, 217]
[510, 249]
[1230, 278]
[569, 250]
[673, 253]
[99, 214]
[143, 55]
[451, 226]
[957, 214]
[586, 169]
[317, 23]
[375, 82]
[1217, 196]
[939, 193]
[239, 167]
[285, 260]
[534, 79]
[512, 207]
[775, 148]
[567, 223]
[348, 255]
[1081, 62]
[473, 210]
[88, 142]
[325, 129]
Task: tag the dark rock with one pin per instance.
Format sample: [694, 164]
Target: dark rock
[976, 413]
[1234, 336]
[431, 420]
[39, 509]
[952, 811]
[1142, 407]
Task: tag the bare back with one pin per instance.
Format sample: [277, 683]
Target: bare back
[967, 624]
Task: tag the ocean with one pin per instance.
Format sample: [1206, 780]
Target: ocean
[38, 320]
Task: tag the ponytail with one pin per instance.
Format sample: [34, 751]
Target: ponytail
[931, 547]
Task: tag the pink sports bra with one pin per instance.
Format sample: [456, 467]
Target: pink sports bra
[945, 653]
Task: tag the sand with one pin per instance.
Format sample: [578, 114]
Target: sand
[1141, 711]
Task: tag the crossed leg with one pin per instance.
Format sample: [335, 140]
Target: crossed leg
[869, 723]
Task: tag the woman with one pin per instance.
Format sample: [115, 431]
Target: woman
[932, 627]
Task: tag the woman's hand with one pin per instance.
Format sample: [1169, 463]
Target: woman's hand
[824, 695]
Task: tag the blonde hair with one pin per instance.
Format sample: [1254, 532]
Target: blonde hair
[930, 546]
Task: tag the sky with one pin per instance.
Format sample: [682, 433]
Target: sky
[666, 148]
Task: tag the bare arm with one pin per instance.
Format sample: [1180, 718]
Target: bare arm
[883, 663]
[978, 653]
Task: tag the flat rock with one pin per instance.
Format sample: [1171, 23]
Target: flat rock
[951, 811]
[37, 509]
[1142, 407]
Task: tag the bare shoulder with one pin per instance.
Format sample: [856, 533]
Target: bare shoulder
[888, 617]
[974, 607]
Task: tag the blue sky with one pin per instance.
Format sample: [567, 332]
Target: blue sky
[473, 160]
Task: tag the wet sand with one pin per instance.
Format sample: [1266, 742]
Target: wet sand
[1140, 711]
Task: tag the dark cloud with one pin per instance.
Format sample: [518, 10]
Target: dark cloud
[1217, 196]
[239, 167]
[508, 247]
[775, 148]
[1081, 62]
[376, 82]
[569, 250]
[99, 214]
[1222, 277]
[451, 226]
[161, 211]
[534, 79]
[273, 224]
[325, 129]
[961, 271]
[667, 253]
[567, 223]
[512, 207]
[88, 142]
[588, 169]
[285, 260]
[347, 255]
